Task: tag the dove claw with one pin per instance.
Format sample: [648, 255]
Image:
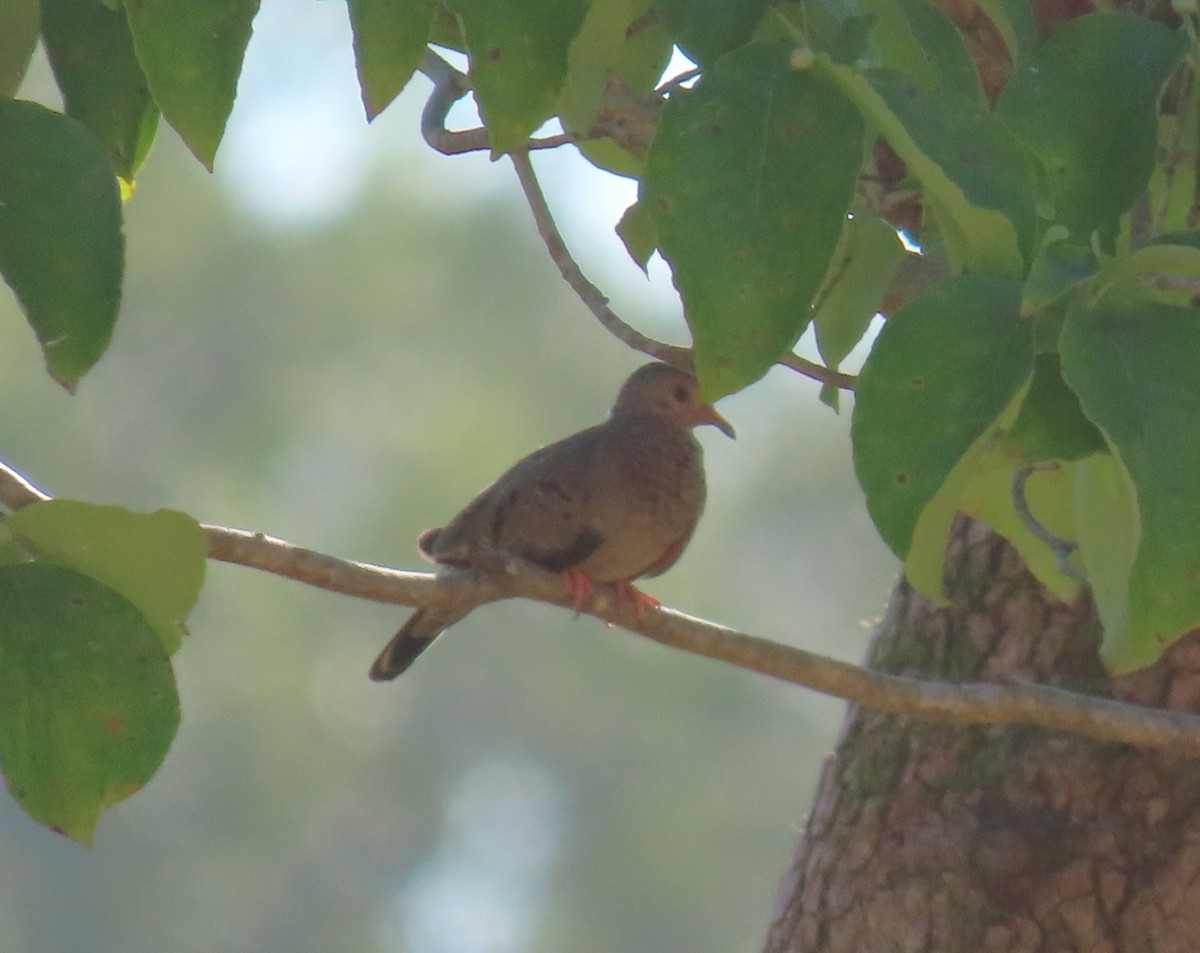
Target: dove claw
[579, 584]
[628, 592]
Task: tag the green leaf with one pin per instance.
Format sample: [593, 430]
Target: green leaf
[192, 56]
[837, 27]
[1133, 365]
[868, 255]
[10, 550]
[1106, 514]
[155, 560]
[942, 370]
[90, 705]
[1173, 182]
[1149, 272]
[18, 37]
[390, 39]
[1058, 272]
[1049, 495]
[916, 38]
[518, 61]
[61, 247]
[1014, 21]
[636, 231]
[981, 486]
[91, 52]
[1085, 102]
[446, 30]
[704, 29]
[622, 44]
[924, 563]
[977, 178]
[747, 212]
[1051, 424]
[943, 44]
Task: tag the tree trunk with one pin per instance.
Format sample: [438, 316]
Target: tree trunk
[925, 837]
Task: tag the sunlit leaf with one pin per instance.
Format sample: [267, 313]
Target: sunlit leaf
[747, 212]
[155, 560]
[924, 562]
[192, 56]
[1109, 530]
[622, 44]
[939, 375]
[61, 247]
[1049, 497]
[91, 52]
[90, 704]
[1133, 365]
[867, 257]
[1150, 271]
[18, 37]
[390, 39]
[1084, 101]
[978, 179]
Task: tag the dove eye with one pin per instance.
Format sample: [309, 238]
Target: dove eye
[681, 394]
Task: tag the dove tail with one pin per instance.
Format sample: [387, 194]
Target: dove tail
[414, 637]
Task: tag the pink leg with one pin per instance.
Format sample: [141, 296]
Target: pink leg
[579, 584]
[628, 592]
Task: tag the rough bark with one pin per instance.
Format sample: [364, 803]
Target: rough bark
[932, 838]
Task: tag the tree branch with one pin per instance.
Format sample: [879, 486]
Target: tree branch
[819, 372]
[597, 303]
[449, 86]
[964, 704]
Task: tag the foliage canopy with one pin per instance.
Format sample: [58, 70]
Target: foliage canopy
[1048, 329]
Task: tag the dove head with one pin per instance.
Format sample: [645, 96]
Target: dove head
[671, 395]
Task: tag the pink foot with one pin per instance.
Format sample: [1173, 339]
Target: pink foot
[628, 592]
[579, 584]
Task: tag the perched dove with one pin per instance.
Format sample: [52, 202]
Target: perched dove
[612, 503]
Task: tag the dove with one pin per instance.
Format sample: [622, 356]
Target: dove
[609, 504]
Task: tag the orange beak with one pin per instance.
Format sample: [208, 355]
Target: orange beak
[707, 415]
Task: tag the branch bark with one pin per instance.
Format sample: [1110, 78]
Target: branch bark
[967, 703]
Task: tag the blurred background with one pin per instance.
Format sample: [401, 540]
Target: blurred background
[338, 338]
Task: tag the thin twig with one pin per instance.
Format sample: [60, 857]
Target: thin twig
[587, 292]
[597, 302]
[819, 372]
[1062, 548]
[964, 704]
[449, 86]
[676, 81]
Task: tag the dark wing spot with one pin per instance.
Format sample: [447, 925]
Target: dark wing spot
[556, 560]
